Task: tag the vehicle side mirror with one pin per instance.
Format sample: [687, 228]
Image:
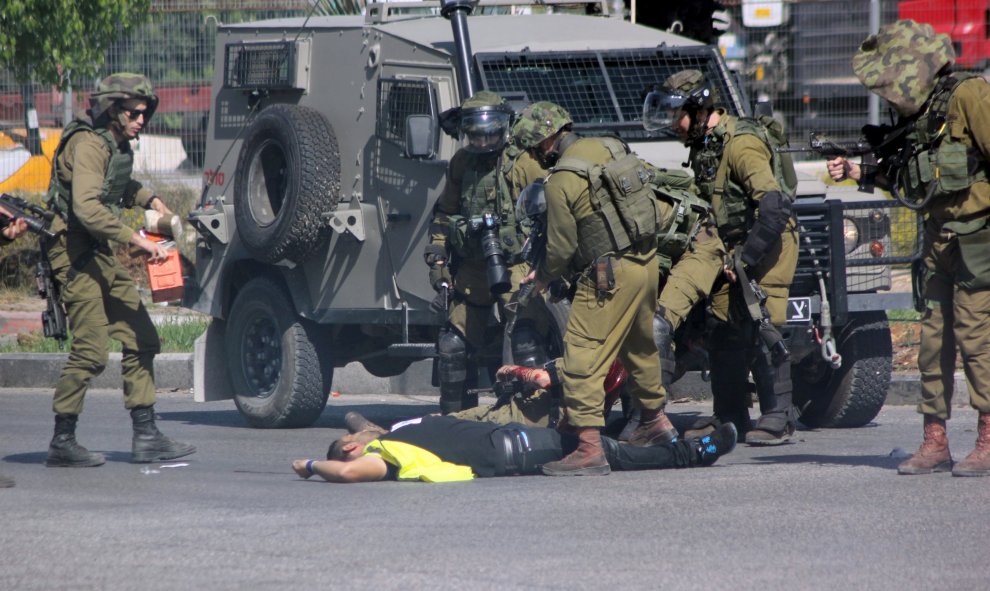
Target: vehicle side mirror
[421, 137]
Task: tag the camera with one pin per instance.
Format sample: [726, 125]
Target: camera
[487, 226]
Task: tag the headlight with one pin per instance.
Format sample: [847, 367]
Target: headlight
[850, 233]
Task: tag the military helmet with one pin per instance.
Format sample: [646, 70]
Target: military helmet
[484, 120]
[902, 63]
[686, 90]
[539, 121]
[120, 87]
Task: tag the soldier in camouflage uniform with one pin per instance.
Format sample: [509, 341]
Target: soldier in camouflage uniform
[948, 136]
[750, 190]
[616, 282]
[483, 178]
[91, 181]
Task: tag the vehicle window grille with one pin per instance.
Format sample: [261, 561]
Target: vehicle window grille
[397, 99]
[267, 65]
[602, 90]
[814, 251]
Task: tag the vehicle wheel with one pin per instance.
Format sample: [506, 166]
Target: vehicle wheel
[852, 395]
[277, 374]
[287, 177]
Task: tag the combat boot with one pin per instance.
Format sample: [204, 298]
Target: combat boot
[977, 463]
[711, 447]
[149, 444]
[65, 452]
[933, 455]
[654, 427]
[587, 460]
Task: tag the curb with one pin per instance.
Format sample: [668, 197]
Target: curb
[174, 371]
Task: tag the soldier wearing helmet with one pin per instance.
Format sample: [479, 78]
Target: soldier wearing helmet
[474, 213]
[750, 188]
[91, 181]
[615, 274]
[945, 120]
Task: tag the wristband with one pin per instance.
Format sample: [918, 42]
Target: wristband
[309, 467]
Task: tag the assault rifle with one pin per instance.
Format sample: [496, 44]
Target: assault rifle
[884, 150]
[38, 221]
[37, 218]
[756, 303]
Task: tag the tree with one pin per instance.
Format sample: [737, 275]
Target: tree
[48, 41]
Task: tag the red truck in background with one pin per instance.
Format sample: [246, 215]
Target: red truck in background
[966, 21]
[182, 111]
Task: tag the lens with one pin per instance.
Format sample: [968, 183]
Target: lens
[497, 272]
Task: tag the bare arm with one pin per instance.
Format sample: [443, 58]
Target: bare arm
[367, 468]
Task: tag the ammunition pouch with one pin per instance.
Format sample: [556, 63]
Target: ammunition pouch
[974, 252]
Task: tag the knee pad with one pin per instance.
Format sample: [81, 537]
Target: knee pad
[452, 357]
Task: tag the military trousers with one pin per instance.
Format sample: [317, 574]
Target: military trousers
[774, 274]
[470, 309]
[617, 324]
[532, 411]
[102, 303]
[955, 319]
[692, 276]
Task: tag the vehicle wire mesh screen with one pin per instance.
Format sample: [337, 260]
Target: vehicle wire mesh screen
[600, 89]
[259, 65]
[397, 99]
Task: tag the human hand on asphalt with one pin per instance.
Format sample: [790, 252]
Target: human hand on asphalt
[299, 466]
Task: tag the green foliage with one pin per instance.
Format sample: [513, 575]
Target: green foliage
[46, 40]
[176, 337]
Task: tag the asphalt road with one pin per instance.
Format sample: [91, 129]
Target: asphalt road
[827, 512]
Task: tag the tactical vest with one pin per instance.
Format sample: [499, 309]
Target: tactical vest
[937, 157]
[734, 214]
[625, 212]
[485, 190]
[689, 211]
[116, 178]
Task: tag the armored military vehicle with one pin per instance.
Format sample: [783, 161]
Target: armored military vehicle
[324, 159]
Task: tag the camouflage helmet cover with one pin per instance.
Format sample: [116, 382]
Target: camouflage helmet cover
[539, 121]
[122, 86]
[482, 99]
[901, 63]
[692, 85]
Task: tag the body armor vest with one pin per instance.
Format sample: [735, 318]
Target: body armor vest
[116, 178]
[689, 211]
[485, 190]
[731, 203]
[625, 212]
[938, 162]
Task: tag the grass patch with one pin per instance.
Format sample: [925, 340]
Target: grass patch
[176, 337]
[903, 315]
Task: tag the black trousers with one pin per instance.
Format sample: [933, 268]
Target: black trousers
[528, 448]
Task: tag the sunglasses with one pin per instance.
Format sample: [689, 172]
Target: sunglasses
[133, 114]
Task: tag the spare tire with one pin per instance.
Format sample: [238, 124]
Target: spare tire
[287, 177]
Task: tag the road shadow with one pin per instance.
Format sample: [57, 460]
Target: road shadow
[39, 457]
[884, 462]
[331, 418]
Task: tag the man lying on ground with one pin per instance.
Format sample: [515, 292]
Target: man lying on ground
[448, 449]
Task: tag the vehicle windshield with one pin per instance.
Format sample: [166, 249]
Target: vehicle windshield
[602, 90]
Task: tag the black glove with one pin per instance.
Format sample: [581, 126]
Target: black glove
[435, 254]
[775, 211]
[439, 274]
